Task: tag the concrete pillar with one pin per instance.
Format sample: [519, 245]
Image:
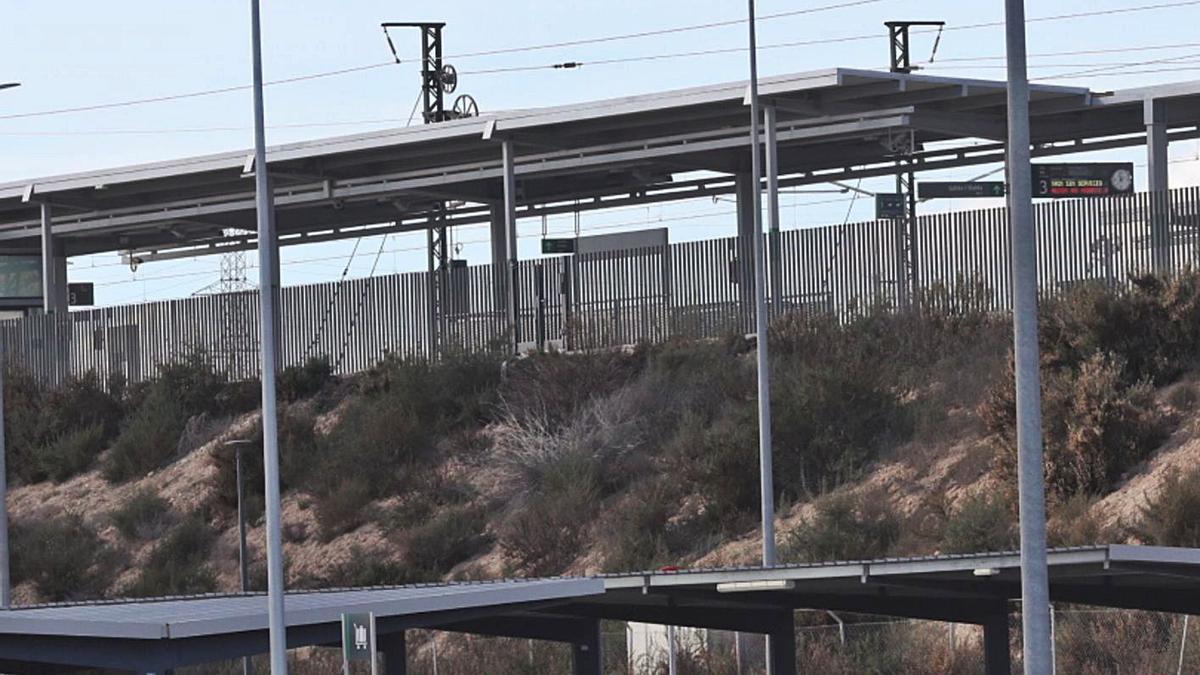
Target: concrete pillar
[54, 267]
[996, 655]
[1157, 145]
[510, 225]
[395, 653]
[586, 654]
[744, 192]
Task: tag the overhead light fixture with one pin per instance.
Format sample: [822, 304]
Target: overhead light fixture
[752, 586]
[986, 572]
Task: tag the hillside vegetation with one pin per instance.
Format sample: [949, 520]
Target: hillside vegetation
[894, 435]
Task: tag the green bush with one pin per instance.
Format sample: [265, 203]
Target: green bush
[144, 515]
[1154, 328]
[843, 528]
[1169, 518]
[304, 381]
[365, 569]
[1096, 426]
[162, 408]
[71, 454]
[178, 565]
[56, 433]
[297, 458]
[982, 522]
[830, 422]
[718, 460]
[63, 558]
[637, 533]
[451, 536]
[150, 438]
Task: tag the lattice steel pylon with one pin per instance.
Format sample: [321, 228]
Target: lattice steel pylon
[233, 347]
[437, 80]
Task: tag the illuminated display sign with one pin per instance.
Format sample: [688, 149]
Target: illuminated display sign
[1083, 180]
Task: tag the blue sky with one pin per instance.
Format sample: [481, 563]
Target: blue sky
[74, 53]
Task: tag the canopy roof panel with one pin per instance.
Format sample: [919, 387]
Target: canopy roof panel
[590, 155]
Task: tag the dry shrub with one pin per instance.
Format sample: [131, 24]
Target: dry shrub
[1154, 327]
[1073, 523]
[982, 522]
[636, 533]
[144, 516]
[1169, 518]
[844, 528]
[1096, 426]
[717, 460]
[63, 557]
[552, 387]
[178, 565]
[297, 457]
[900, 647]
[1099, 642]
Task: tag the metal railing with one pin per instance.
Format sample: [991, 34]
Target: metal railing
[589, 301]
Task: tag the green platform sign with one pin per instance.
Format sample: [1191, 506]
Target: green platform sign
[358, 639]
[889, 206]
[553, 246]
[960, 190]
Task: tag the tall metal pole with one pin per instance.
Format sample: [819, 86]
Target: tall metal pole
[1035, 587]
[268, 292]
[5, 580]
[760, 317]
[766, 481]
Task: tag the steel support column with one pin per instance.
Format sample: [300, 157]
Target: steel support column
[744, 251]
[996, 655]
[586, 656]
[510, 227]
[54, 288]
[499, 242]
[1157, 146]
[394, 648]
[774, 241]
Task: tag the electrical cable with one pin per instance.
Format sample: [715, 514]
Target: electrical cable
[358, 308]
[661, 31]
[578, 64]
[193, 94]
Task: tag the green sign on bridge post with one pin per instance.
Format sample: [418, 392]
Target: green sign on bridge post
[358, 640]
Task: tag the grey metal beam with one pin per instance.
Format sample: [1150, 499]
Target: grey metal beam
[510, 226]
[1157, 172]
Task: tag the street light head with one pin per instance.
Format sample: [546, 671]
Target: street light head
[9, 85]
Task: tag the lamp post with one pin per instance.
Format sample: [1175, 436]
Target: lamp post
[243, 555]
[1035, 583]
[268, 293]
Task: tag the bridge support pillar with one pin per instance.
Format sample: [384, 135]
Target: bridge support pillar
[54, 267]
[586, 656]
[395, 653]
[996, 655]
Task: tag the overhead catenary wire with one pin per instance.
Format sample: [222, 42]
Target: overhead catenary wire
[578, 64]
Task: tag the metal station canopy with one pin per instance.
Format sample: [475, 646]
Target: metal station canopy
[832, 124]
[159, 634]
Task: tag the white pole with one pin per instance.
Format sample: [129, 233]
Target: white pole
[672, 666]
[1035, 585]
[766, 481]
[1182, 645]
[268, 290]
